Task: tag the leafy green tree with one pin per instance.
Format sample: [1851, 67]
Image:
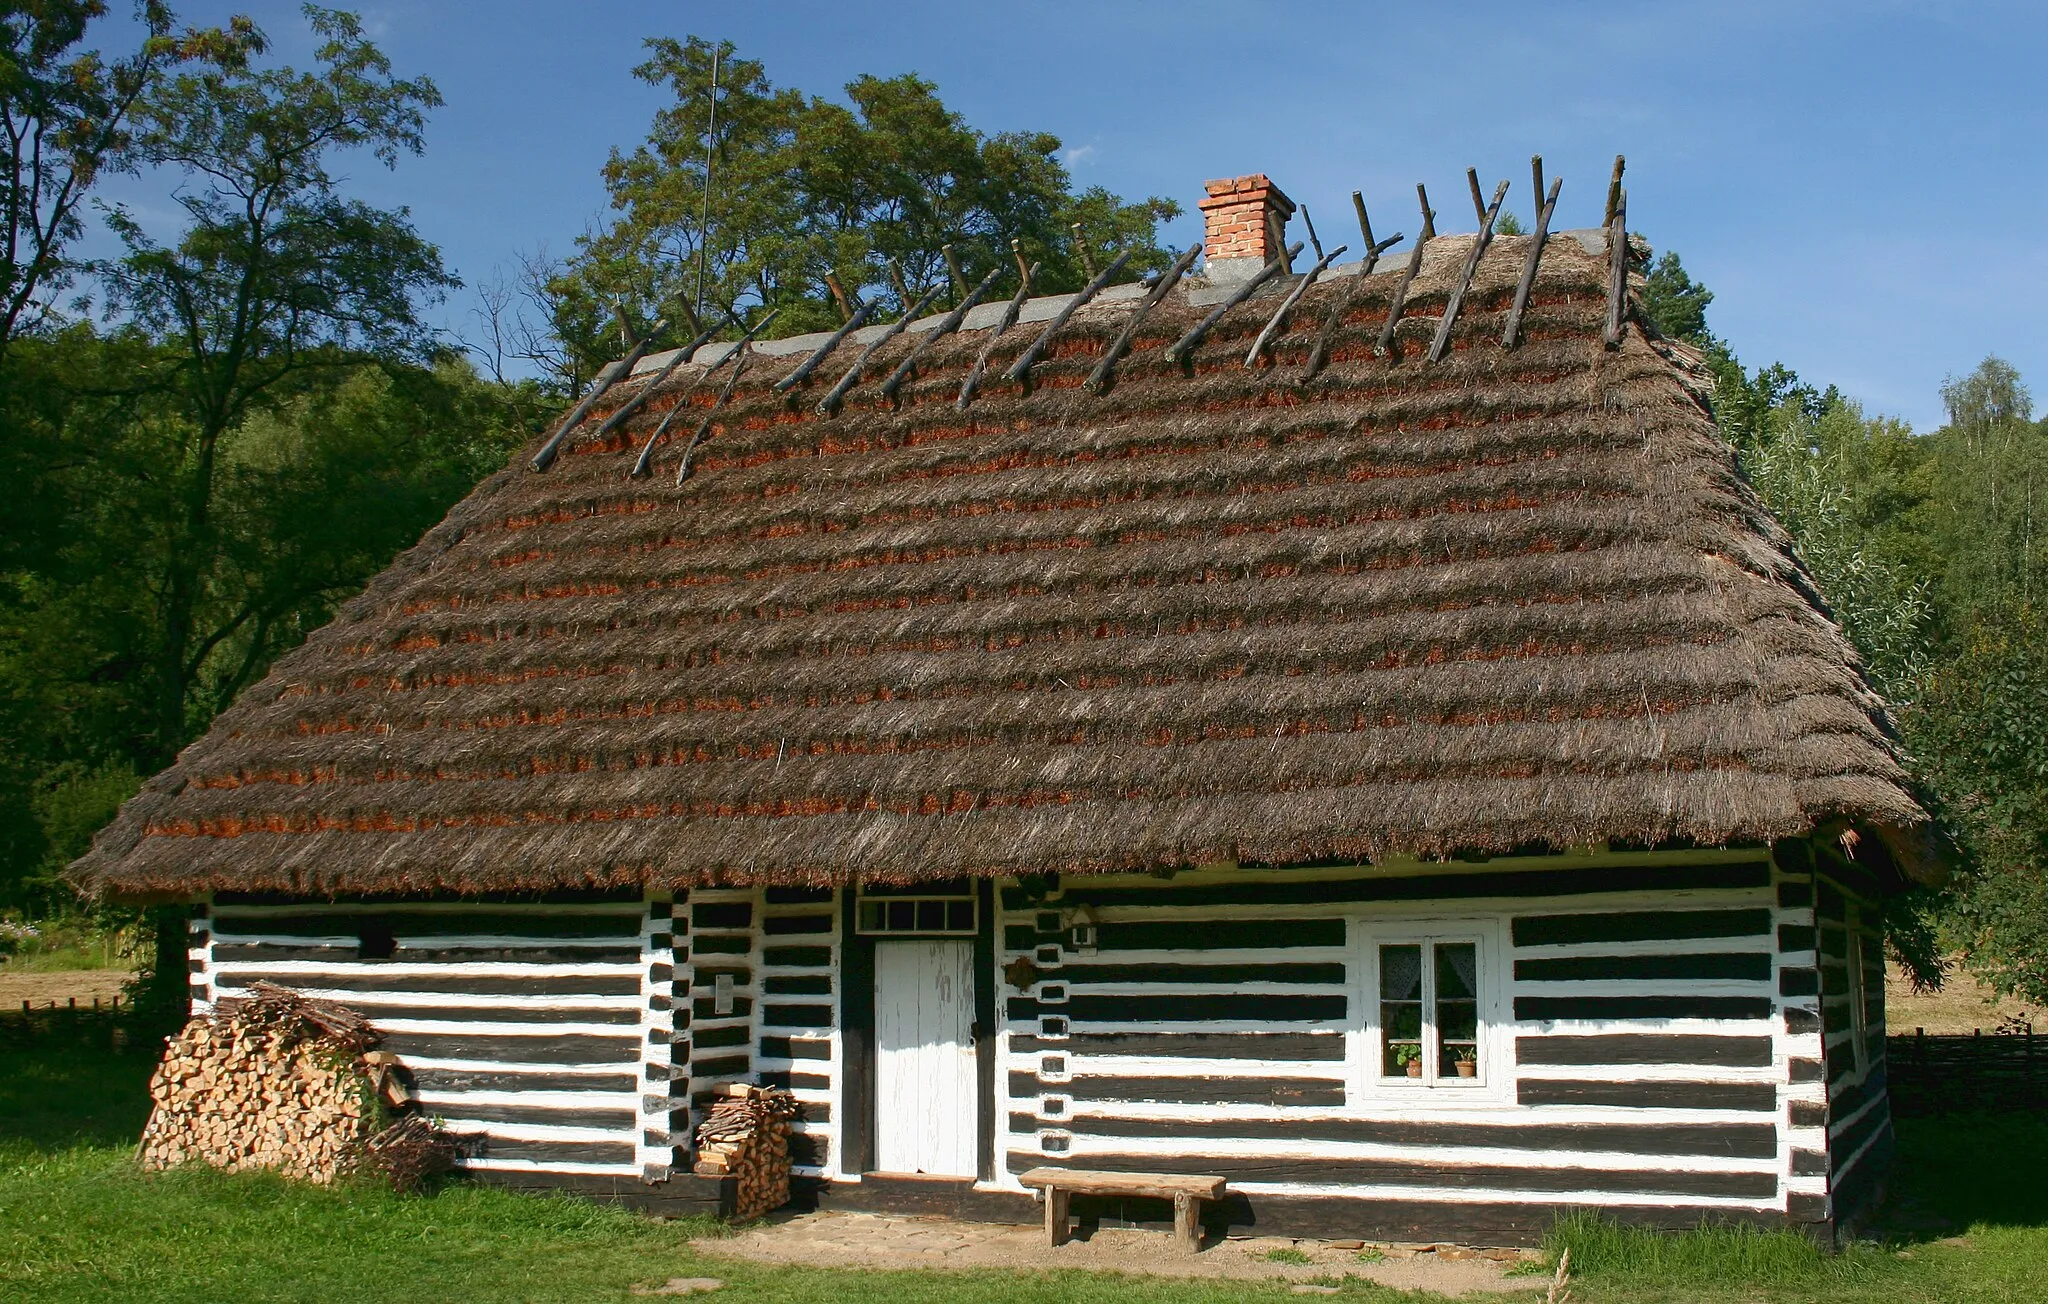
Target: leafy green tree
[1676, 303]
[66, 116]
[276, 273]
[805, 189]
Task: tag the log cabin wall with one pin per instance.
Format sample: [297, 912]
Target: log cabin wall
[1851, 961]
[798, 1047]
[545, 1029]
[1643, 1064]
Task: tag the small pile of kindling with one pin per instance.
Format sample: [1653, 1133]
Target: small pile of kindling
[277, 1080]
[745, 1135]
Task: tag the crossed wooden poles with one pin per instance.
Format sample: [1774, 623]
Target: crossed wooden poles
[1103, 377]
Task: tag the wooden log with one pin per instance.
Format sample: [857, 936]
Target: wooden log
[1103, 376]
[1441, 345]
[1617, 269]
[1020, 370]
[804, 369]
[1180, 349]
[1341, 308]
[1614, 191]
[626, 410]
[1273, 325]
[971, 382]
[1394, 310]
[642, 464]
[830, 403]
[1511, 334]
[944, 328]
[606, 378]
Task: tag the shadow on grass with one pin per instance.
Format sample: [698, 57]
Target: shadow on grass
[65, 1085]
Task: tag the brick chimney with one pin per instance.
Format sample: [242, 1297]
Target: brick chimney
[1245, 216]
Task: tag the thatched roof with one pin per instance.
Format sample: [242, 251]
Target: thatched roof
[1520, 596]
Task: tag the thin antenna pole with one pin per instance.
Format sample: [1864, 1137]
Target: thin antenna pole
[710, 148]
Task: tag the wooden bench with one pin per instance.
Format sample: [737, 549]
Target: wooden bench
[1186, 1192]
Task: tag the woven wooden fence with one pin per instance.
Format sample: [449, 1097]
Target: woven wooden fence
[1953, 1074]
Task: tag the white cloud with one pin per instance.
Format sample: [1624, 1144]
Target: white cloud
[1076, 155]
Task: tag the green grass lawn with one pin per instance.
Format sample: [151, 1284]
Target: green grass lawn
[78, 1222]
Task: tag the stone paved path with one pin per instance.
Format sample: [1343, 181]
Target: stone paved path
[859, 1240]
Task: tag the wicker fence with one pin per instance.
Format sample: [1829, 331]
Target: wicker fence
[1943, 1074]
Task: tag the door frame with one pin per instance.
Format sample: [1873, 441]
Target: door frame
[857, 1035]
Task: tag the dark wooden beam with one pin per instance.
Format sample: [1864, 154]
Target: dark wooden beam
[1274, 323]
[972, 380]
[1441, 345]
[1341, 309]
[1020, 370]
[1511, 334]
[1180, 349]
[808, 365]
[944, 328]
[606, 378]
[1386, 340]
[830, 403]
[1617, 268]
[1104, 375]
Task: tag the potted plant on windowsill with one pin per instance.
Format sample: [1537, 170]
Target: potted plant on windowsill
[1409, 1060]
[1466, 1060]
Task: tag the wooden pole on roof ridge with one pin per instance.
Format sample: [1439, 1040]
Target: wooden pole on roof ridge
[1617, 267]
[1024, 273]
[1310, 223]
[1536, 176]
[704, 426]
[839, 295]
[972, 380]
[946, 327]
[627, 409]
[1087, 254]
[1511, 335]
[1100, 379]
[1364, 223]
[1276, 238]
[1441, 345]
[1183, 348]
[808, 365]
[953, 270]
[606, 378]
[1020, 370]
[897, 283]
[1273, 324]
[640, 464]
[830, 403]
[1386, 341]
[1478, 203]
[1341, 308]
[1614, 190]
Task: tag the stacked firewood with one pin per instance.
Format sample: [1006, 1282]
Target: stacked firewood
[280, 1081]
[745, 1135]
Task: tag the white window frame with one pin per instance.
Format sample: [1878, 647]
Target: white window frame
[1492, 1083]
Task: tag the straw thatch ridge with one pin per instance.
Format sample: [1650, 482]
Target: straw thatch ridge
[1520, 597]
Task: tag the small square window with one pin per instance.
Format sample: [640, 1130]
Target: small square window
[1052, 1107]
[1048, 955]
[1052, 1143]
[1052, 1027]
[1053, 1066]
[1052, 993]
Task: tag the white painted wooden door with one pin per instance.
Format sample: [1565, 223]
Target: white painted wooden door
[924, 1057]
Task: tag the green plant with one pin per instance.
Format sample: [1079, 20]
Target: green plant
[1287, 1254]
[1372, 1254]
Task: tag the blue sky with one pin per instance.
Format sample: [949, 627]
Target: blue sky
[1859, 184]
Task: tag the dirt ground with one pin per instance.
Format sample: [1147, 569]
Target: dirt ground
[1962, 1004]
[60, 986]
[840, 1240]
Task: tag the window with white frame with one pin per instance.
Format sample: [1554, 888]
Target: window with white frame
[1432, 1014]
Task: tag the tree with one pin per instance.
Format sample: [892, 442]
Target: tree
[1675, 303]
[805, 189]
[276, 273]
[66, 116]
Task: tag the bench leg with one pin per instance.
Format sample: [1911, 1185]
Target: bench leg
[1055, 1216]
[1187, 1228]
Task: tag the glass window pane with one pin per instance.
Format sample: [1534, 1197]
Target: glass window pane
[903, 916]
[1401, 1010]
[960, 916]
[1457, 1009]
[931, 916]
